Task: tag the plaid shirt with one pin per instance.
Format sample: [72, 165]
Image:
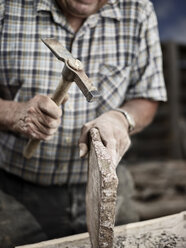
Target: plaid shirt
[119, 46]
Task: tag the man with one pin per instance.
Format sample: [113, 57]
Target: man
[118, 43]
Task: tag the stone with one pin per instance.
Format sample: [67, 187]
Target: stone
[101, 194]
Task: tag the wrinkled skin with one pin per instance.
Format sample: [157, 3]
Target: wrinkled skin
[113, 129]
[38, 118]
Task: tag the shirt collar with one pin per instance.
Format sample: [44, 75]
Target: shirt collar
[111, 10]
[51, 6]
[43, 5]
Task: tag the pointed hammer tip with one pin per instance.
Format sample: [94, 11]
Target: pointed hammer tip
[93, 96]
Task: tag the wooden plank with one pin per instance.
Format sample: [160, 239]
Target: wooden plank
[101, 194]
[169, 231]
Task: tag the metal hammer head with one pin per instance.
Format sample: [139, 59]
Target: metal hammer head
[74, 67]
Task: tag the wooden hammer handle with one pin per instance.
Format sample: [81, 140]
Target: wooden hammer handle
[58, 98]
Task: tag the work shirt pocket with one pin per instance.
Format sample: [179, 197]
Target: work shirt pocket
[112, 85]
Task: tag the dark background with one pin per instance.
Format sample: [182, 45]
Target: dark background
[172, 19]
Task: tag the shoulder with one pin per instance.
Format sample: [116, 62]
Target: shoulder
[17, 6]
[139, 9]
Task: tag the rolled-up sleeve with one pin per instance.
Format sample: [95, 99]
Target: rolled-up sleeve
[146, 76]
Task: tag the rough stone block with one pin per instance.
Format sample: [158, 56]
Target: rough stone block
[101, 194]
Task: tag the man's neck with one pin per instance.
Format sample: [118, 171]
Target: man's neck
[75, 22]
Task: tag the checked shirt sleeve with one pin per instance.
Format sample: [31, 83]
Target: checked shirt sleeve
[146, 74]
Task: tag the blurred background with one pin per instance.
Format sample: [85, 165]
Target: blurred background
[157, 158]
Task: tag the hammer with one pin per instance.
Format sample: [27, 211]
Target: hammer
[72, 72]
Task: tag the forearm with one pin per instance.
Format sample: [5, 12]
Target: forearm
[7, 108]
[142, 111]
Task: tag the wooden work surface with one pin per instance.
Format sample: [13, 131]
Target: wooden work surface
[163, 232]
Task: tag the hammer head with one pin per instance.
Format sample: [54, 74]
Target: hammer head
[74, 67]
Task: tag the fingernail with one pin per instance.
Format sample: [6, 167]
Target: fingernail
[82, 150]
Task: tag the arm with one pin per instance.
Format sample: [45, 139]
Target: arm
[113, 127]
[143, 112]
[38, 118]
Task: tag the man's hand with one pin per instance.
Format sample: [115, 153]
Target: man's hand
[38, 118]
[113, 128]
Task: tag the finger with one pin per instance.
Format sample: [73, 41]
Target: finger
[124, 145]
[49, 107]
[83, 140]
[41, 119]
[83, 150]
[105, 138]
[48, 122]
[44, 129]
[36, 130]
[41, 136]
[112, 150]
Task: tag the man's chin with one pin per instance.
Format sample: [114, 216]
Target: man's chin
[81, 8]
[83, 11]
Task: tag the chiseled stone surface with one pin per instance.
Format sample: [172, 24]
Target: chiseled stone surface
[101, 194]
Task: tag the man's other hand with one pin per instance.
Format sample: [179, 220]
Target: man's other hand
[113, 128]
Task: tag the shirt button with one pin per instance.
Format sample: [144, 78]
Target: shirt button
[68, 140]
[70, 106]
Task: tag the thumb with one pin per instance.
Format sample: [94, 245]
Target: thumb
[83, 149]
[83, 140]
[111, 146]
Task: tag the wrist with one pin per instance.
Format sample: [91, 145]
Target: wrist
[129, 118]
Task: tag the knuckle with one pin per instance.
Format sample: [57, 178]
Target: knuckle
[31, 110]
[41, 137]
[49, 137]
[37, 99]
[58, 121]
[30, 132]
[47, 101]
[52, 131]
[44, 101]
[111, 142]
[53, 123]
[128, 141]
[86, 127]
[29, 126]
[126, 144]
[59, 112]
